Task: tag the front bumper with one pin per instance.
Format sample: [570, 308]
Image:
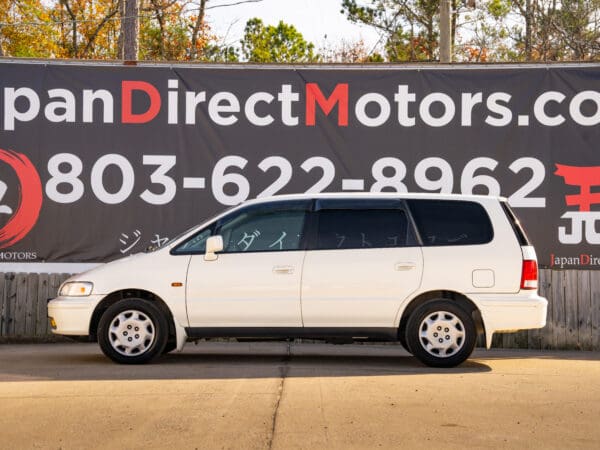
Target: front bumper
[72, 315]
[504, 314]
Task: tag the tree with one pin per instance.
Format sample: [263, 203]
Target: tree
[178, 30]
[578, 26]
[570, 29]
[536, 30]
[168, 29]
[349, 52]
[88, 22]
[279, 44]
[410, 28]
[219, 54]
[485, 33]
[165, 30]
[21, 36]
[199, 25]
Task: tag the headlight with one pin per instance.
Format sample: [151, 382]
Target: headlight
[76, 289]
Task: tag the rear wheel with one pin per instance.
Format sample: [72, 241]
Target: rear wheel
[132, 331]
[441, 334]
[402, 339]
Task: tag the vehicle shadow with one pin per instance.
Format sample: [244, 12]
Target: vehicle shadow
[85, 362]
[495, 354]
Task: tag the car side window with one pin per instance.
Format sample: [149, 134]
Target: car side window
[196, 244]
[362, 228]
[451, 222]
[264, 229]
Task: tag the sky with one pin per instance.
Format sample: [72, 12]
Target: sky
[319, 21]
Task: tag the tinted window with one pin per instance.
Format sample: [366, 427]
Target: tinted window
[196, 244]
[361, 228]
[450, 222]
[264, 228]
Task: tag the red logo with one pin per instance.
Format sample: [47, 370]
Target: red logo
[584, 178]
[583, 221]
[30, 198]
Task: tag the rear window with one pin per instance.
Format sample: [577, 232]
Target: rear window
[451, 222]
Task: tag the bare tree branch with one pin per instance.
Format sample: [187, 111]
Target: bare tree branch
[233, 4]
[196, 29]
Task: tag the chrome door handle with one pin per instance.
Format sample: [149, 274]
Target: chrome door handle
[283, 270]
[402, 266]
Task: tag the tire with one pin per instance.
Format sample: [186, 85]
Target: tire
[133, 331]
[169, 347]
[403, 342]
[441, 320]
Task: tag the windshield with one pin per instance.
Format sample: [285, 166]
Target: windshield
[154, 247]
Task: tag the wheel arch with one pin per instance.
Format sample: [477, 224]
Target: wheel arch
[124, 294]
[462, 300]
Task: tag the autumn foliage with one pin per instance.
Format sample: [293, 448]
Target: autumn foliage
[92, 29]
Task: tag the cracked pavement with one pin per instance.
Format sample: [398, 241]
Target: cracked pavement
[256, 396]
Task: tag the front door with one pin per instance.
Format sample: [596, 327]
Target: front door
[255, 281]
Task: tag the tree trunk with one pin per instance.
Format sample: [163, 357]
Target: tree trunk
[528, 26]
[161, 25]
[130, 27]
[454, 13]
[73, 28]
[196, 30]
[120, 38]
[413, 56]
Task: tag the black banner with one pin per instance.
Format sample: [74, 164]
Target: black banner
[99, 160]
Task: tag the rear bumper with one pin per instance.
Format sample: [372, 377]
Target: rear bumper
[503, 314]
[72, 315]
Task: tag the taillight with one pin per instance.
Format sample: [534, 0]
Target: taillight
[529, 276]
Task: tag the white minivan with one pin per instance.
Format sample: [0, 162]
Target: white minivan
[431, 271]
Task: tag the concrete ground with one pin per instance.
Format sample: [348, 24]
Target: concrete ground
[237, 395]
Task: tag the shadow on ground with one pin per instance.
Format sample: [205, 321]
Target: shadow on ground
[567, 355]
[216, 361]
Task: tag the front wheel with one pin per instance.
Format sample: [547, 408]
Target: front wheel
[132, 331]
[171, 345]
[441, 334]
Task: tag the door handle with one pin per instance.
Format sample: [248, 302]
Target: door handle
[282, 270]
[402, 266]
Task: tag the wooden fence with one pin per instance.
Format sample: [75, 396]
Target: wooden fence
[23, 304]
[573, 311]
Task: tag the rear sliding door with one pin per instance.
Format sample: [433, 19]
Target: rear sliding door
[362, 263]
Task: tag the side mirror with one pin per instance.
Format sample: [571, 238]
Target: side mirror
[214, 244]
